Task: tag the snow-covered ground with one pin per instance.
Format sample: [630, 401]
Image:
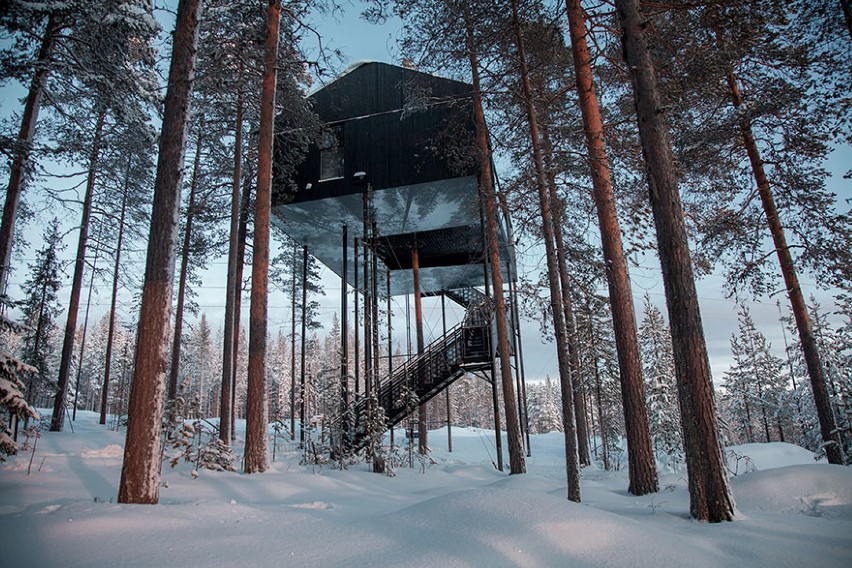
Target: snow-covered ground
[459, 512]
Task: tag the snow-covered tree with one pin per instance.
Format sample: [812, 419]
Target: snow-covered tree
[40, 307]
[201, 368]
[544, 407]
[600, 371]
[834, 346]
[13, 405]
[660, 386]
[753, 387]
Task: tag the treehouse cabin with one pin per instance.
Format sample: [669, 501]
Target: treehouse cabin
[397, 153]
[390, 191]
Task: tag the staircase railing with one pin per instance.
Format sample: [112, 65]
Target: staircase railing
[465, 347]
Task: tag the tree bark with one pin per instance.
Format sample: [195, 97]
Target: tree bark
[640, 454]
[77, 281]
[568, 308]
[184, 269]
[422, 411]
[85, 330]
[231, 285]
[791, 280]
[114, 298]
[556, 304]
[710, 495]
[256, 451]
[140, 472]
[486, 195]
[242, 236]
[24, 144]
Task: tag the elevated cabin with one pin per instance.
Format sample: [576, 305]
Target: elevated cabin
[397, 150]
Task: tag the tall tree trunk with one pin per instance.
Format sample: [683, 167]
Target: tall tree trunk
[174, 371]
[24, 143]
[37, 341]
[77, 281]
[710, 495]
[140, 472]
[568, 307]
[640, 454]
[113, 299]
[422, 411]
[749, 427]
[293, 343]
[487, 198]
[85, 329]
[231, 285]
[557, 307]
[242, 236]
[256, 450]
[598, 398]
[791, 280]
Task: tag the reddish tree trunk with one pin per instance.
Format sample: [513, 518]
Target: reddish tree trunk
[140, 472]
[24, 145]
[570, 327]
[487, 198]
[242, 236]
[710, 496]
[256, 451]
[556, 304]
[77, 282]
[794, 290]
[174, 372]
[422, 410]
[231, 285]
[640, 454]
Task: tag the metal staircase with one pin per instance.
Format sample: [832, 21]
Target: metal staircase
[464, 348]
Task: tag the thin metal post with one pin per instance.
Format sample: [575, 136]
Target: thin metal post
[418, 323]
[368, 312]
[292, 348]
[449, 414]
[390, 346]
[357, 333]
[304, 333]
[491, 349]
[519, 359]
[344, 335]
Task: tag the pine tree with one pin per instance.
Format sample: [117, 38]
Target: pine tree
[549, 416]
[762, 112]
[710, 495]
[838, 373]
[256, 423]
[18, 17]
[40, 309]
[140, 472]
[13, 404]
[660, 386]
[110, 82]
[754, 386]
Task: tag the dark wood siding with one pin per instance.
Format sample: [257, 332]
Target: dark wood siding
[401, 127]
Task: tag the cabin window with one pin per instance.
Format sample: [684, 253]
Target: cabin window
[331, 153]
